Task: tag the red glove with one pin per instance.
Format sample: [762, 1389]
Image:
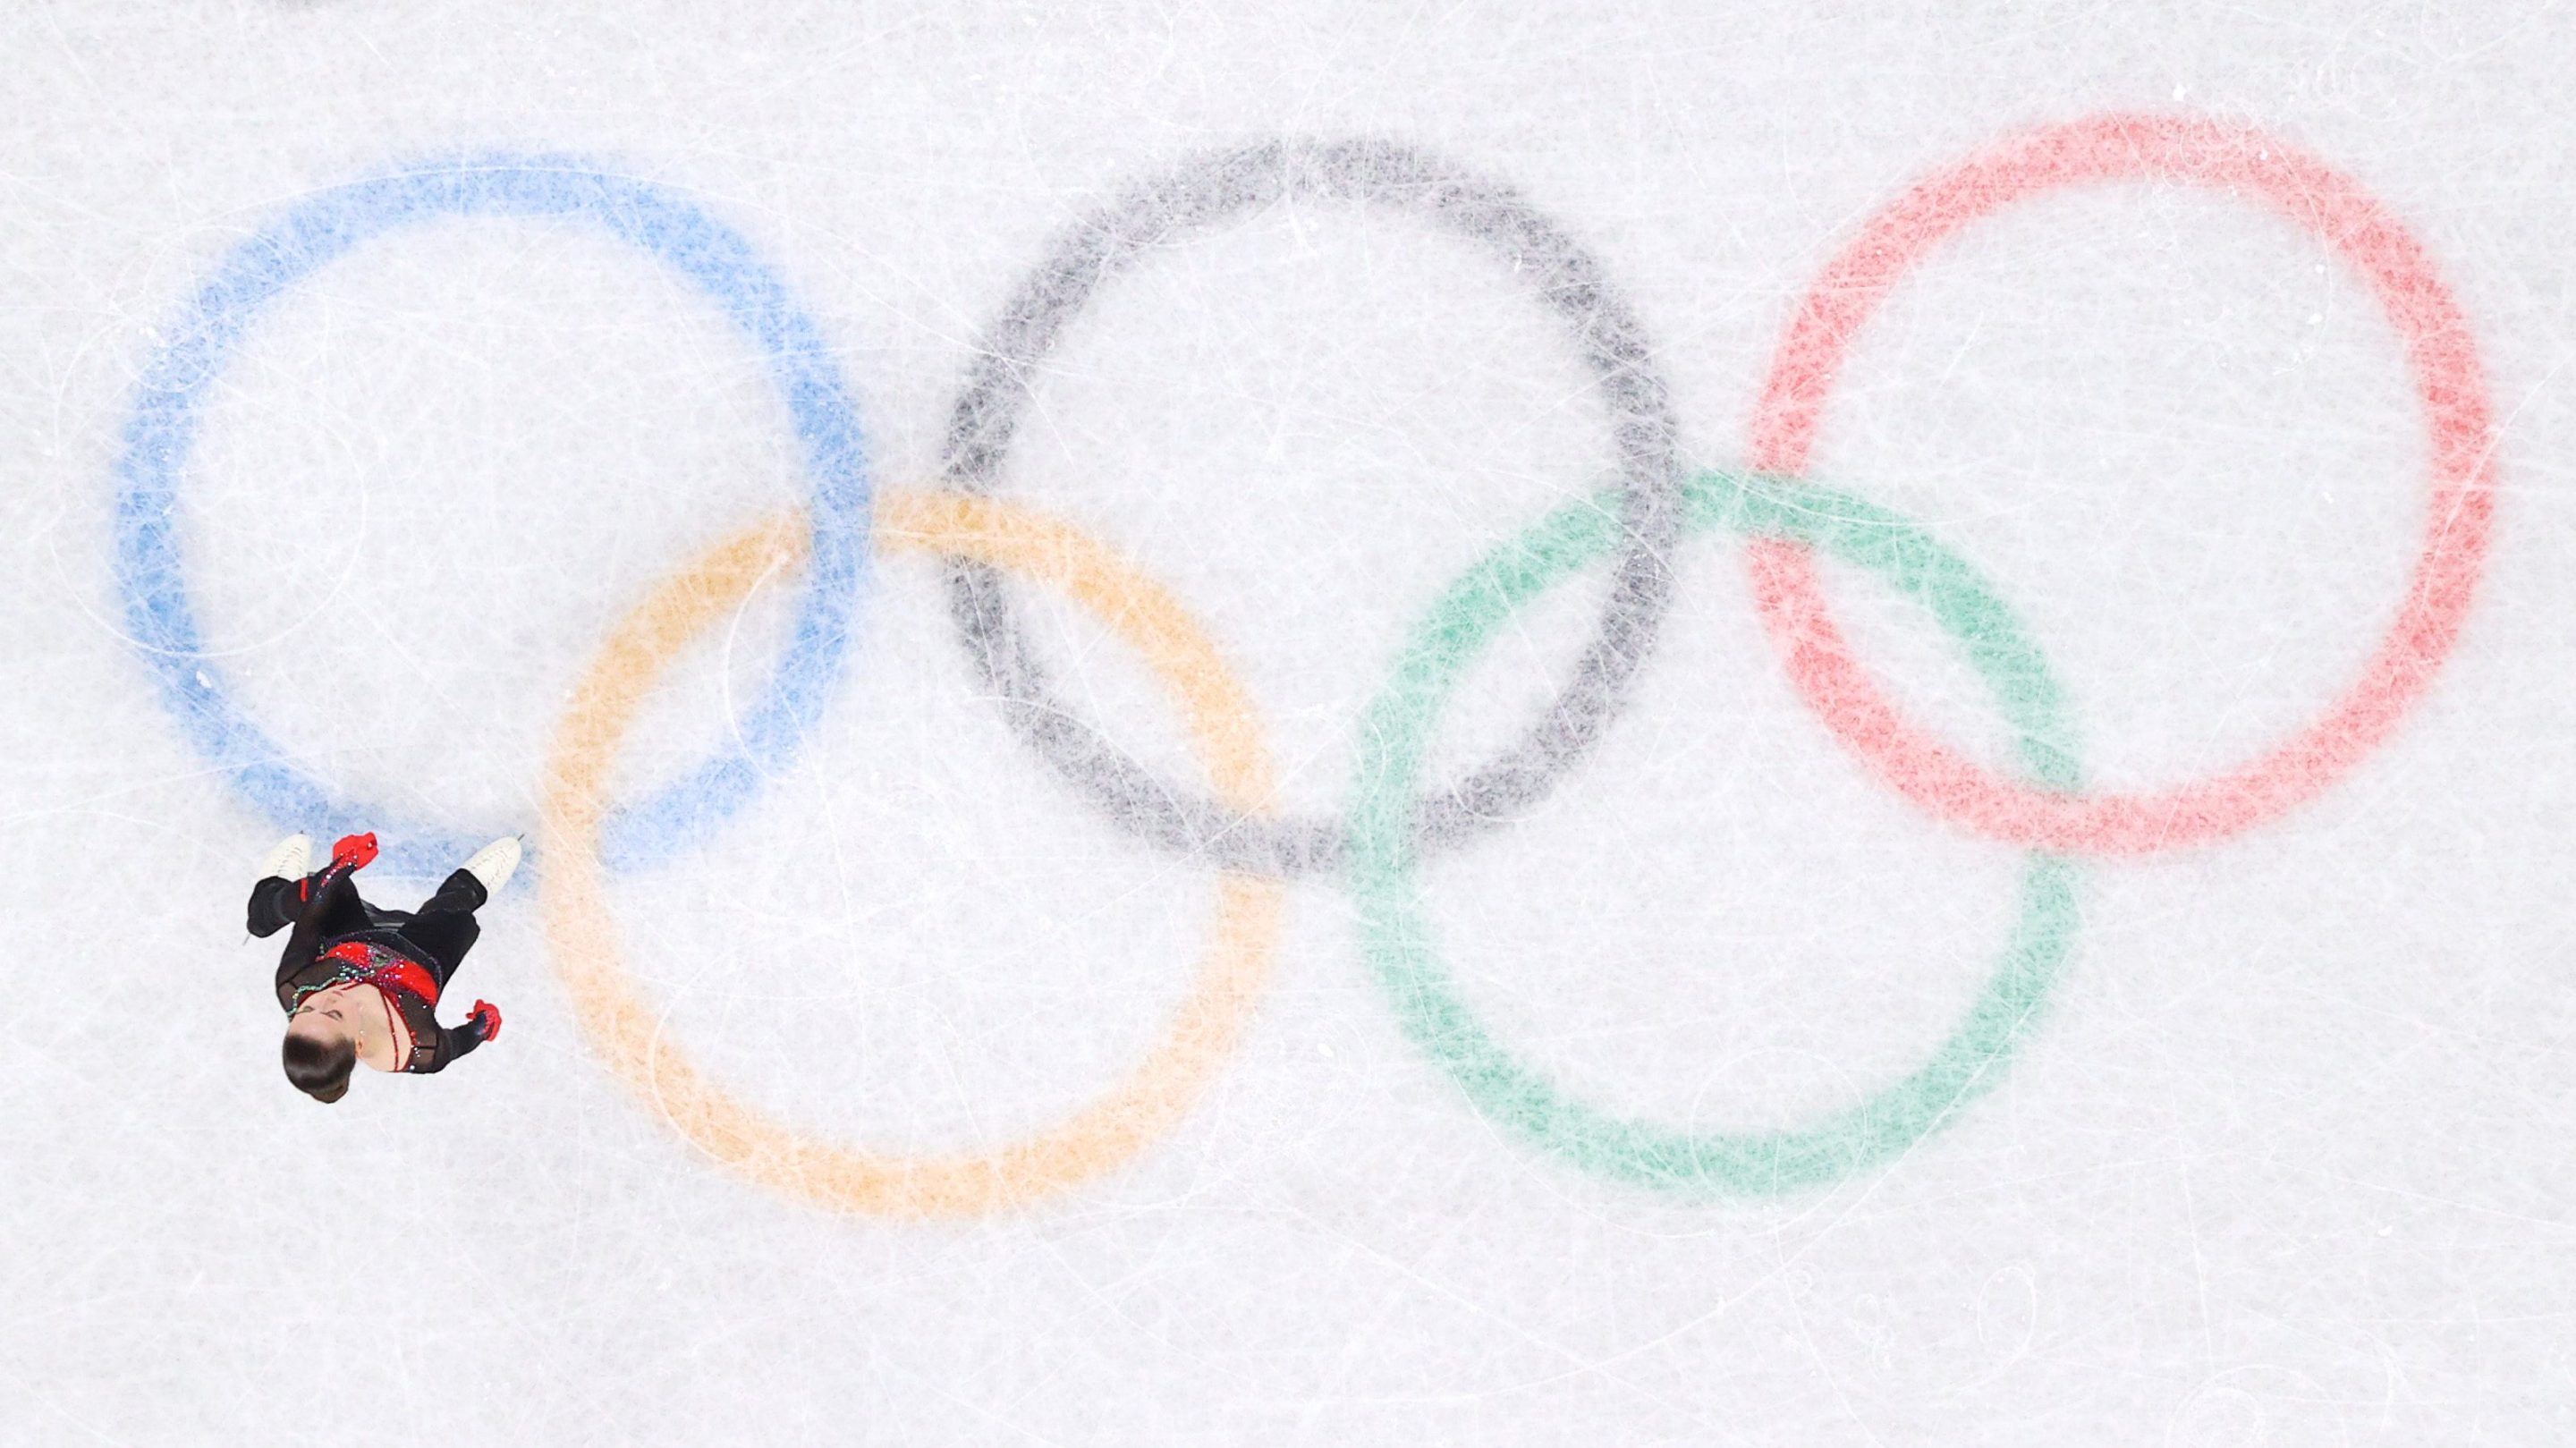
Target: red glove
[354, 852]
[485, 1018]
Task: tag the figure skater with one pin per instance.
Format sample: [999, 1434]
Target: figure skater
[362, 984]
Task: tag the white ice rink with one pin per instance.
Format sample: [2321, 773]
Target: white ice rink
[1724, 1083]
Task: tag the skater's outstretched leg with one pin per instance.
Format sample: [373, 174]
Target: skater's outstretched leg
[444, 927]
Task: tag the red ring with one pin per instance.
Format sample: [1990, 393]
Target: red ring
[2440, 353]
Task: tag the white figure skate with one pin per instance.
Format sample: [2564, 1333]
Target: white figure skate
[289, 860]
[495, 863]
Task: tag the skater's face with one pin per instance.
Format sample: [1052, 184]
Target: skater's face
[324, 1019]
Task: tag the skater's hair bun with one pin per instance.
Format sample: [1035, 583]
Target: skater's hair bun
[320, 1069]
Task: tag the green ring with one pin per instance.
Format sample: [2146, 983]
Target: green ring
[1398, 724]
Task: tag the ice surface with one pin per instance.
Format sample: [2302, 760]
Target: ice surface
[2284, 1158]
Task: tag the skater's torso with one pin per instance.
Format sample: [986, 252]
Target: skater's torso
[389, 998]
[383, 1040]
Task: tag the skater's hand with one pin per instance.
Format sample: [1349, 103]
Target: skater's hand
[354, 852]
[485, 1018]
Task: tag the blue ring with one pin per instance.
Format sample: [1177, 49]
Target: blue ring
[322, 228]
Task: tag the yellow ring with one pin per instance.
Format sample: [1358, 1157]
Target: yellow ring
[627, 1030]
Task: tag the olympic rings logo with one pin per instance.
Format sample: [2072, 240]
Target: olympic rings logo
[1656, 505]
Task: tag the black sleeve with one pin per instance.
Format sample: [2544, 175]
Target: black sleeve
[320, 906]
[454, 1042]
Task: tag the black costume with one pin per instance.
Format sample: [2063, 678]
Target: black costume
[408, 955]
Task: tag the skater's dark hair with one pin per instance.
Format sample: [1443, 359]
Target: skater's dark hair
[320, 1069]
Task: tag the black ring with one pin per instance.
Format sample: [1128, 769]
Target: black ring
[1220, 186]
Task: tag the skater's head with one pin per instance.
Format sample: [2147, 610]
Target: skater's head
[319, 1055]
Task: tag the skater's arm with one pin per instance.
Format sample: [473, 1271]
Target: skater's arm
[453, 1041]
